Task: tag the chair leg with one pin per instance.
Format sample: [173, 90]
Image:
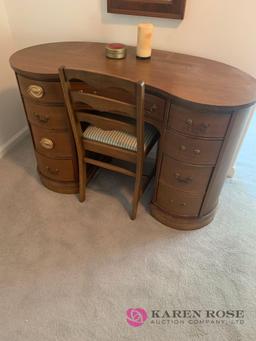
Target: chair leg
[137, 193]
[82, 181]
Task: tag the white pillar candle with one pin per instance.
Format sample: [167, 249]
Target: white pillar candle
[144, 43]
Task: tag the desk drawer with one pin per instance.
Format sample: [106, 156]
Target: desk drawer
[191, 150]
[45, 116]
[60, 170]
[184, 176]
[154, 107]
[178, 202]
[52, 143]
[46, 92]
[196, 123]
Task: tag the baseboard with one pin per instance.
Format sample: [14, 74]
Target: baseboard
[6, 147]
[231, 172]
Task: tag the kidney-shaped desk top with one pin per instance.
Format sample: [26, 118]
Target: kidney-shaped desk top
[189, 78]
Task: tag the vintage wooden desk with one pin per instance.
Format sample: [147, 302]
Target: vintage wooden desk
[199, 106]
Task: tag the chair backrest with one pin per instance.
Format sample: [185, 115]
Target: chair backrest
[107, 102]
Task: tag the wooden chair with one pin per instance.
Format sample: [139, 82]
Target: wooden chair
[114, 109]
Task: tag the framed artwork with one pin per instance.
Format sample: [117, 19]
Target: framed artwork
[174, 9]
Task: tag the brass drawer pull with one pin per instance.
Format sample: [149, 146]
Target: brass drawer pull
[181, 179]
[202, 128]
[153, 108]
[197, 151]
[183, 148]
[182, 204]
[94, 92]
[197, 129]
[35, 91]
[47, 143]
[52, 171]
[41, 118]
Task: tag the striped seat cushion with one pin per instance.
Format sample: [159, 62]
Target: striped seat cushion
[119, 139]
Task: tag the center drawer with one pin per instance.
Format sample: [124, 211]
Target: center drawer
[52, 143]
[191, 150]
[155, 106]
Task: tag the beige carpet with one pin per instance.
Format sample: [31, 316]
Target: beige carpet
[69, 271]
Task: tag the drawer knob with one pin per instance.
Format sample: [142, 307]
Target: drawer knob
[183, 148]
[41, 118]
[185, 180]
[52, 171]
[35, 91]
[47, 143]
[153, 108]
[189, 121]
[197, 151]
[183, 204]
[203, 127]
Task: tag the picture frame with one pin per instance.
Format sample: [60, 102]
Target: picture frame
[170, 9]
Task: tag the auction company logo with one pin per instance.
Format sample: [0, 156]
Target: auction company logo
[136, 317]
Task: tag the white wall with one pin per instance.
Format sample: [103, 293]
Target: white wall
[12, 121]
[224, 30]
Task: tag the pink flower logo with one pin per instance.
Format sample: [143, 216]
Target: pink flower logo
[136, 317]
